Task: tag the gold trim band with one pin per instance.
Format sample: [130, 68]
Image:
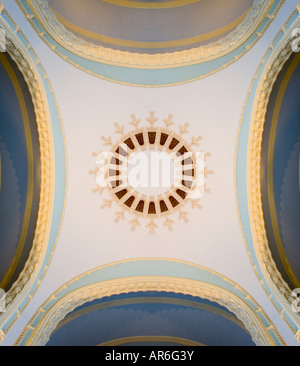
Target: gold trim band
[151, 339]
[145, 5]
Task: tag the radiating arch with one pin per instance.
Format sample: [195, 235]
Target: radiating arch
[136, 276]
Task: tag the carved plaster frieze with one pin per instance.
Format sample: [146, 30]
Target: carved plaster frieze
[63, 306]
[280, 290]
[98, 53]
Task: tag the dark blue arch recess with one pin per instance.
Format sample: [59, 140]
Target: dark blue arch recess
[285, 173]
[150, 314]
[14, 171]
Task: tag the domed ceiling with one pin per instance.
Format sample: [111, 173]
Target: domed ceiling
[20, 171]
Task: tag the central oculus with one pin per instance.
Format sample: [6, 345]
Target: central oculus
[151, 172]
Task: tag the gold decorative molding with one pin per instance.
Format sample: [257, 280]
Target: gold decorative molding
[254, 173]
[280, 54]
[96, 53]
[151, 339]
[47, 166]
[63, 306]
[21, 291]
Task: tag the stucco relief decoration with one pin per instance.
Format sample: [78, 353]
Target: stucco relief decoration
[280, 52]
[102, 54]
[150, 173]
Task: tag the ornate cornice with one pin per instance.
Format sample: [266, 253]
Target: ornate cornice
[150, 70]
[254, 162]
[276, 56]
[40, 106]
[63, 306]
[98, 53]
